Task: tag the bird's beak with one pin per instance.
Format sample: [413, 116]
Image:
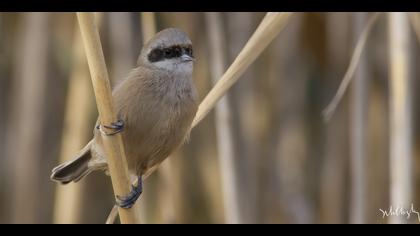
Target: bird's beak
[186, 58]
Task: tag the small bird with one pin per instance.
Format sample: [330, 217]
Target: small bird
[155, 106]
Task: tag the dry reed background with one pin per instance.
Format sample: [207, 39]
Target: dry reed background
[265, 156]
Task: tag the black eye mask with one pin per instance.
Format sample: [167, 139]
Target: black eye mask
[160, 54]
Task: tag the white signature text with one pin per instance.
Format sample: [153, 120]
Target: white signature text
[400, 211]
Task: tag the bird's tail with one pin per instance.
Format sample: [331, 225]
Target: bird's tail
[75, 169]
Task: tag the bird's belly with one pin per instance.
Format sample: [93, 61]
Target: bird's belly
[167, 134]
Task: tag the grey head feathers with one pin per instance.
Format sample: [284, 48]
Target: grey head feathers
[171, 45]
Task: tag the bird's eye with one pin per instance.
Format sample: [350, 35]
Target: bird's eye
[177, 51]
[168, 53]
[155, 55]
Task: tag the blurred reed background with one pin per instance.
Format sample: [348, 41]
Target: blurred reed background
[265, 156]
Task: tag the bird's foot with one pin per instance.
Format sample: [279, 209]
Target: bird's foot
[116, 127]
[128, 201]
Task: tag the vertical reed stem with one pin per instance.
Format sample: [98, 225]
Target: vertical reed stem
[121, 45]
[166, 171]
[26, 124]
[223, 120]
[359, 102]
[400, 115]
[148, 25]
[68, 198]
[114, 148]
[333, 174]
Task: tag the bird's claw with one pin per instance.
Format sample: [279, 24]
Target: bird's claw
[128, 201]
[115, 126]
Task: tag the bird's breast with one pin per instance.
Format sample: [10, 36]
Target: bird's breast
[164, 122]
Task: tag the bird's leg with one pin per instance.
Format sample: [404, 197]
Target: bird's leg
[115, 126]
[129, 200]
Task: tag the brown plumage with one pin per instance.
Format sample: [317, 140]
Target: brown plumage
[157, 103]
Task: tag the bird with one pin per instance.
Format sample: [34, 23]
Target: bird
[155, 106]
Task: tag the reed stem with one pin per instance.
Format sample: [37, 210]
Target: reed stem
[400, 115]
[272, 24]
[113, 145]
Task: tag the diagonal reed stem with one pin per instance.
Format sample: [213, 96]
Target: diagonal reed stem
[328, 112]
[271, 25]
[415, 23]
